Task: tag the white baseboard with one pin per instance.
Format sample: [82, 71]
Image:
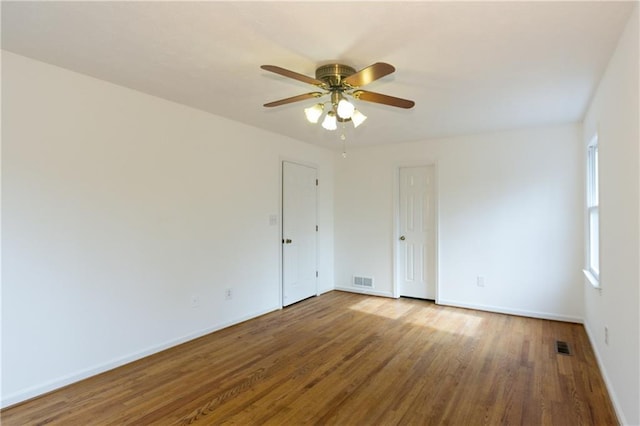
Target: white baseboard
[607, 382]
[518, 312]
[359, 290]
[325, 290]
[52, 385]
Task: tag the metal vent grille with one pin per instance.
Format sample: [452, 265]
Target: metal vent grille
[562, 348]
[363, 281]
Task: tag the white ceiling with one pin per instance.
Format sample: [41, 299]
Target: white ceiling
[470, 66]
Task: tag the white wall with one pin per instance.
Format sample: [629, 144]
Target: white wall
[509, 209]
[614, 114]
[118, 207]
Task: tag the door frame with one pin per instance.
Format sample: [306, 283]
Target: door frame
[281, 161]
[396, 225]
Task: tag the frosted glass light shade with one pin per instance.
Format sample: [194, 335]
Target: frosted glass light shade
[345, 109]
[313, 113]
[330, 122]
[358, 118]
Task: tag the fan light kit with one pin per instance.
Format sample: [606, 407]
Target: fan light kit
[339, 81]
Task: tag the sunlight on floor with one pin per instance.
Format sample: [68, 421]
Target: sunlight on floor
[471, 321]
[374, 307]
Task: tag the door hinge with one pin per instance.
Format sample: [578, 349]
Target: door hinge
[316, 182]
[316, 274]
[316, 228]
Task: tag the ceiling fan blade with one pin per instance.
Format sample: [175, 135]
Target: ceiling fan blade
[294, 75]
[369, 74]
[378, 98]
[294, 99]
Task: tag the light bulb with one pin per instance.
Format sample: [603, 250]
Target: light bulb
[313, 113]
[358, 118]
[345, 109]
[330, 121]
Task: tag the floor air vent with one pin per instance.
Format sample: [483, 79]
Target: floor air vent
[363, 281]
[562, 348]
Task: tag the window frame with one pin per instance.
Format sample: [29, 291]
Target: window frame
[592, 240]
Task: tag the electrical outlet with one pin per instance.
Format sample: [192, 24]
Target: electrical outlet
[228, 294]
[195, 301]
[606, 335]
[480, 281]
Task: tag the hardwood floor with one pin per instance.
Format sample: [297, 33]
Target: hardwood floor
[347, 359]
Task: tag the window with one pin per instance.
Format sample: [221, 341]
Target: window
[593, 215]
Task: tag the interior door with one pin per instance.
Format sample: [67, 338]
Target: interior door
[417, 242]
[299, 232]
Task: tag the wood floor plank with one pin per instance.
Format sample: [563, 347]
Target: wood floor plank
[347, 359]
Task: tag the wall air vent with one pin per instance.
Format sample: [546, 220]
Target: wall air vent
[363, 281]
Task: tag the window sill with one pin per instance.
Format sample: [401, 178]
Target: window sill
[592, 279]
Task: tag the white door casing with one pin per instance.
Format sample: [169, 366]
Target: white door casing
[416, 231]
[299, 232]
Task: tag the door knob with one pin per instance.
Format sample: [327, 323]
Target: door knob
[286, 241]
[402, 238]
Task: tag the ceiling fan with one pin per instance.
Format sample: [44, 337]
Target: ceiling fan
[339, 81]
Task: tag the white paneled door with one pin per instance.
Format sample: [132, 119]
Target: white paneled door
[299, 266]
[417, 238]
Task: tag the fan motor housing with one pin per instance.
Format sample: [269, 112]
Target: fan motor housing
[333, 74]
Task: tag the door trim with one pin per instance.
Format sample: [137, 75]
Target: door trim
[396, 226]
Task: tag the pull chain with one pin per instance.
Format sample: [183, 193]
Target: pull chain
[343, 138]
